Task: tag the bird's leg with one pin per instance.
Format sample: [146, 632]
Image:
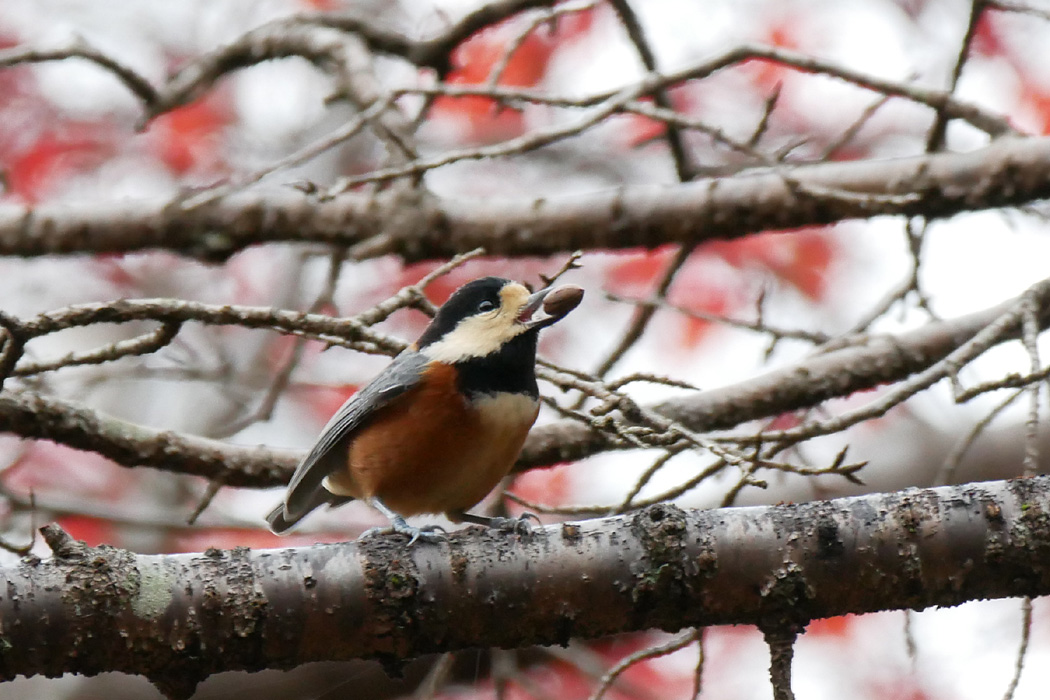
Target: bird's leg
[519, 525]
[427, 533]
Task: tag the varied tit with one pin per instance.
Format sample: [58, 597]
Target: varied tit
[441, 426]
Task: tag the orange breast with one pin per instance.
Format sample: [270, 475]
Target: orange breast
[432, 451]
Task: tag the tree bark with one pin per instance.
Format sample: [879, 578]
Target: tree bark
[1009, 171]
[179, 618]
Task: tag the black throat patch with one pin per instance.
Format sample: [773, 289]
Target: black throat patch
[512, 369]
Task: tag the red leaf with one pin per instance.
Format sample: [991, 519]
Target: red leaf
[93, 531]
[637, 272]
[53, 156]
[552, 486]
[474, 60]
[188, 138]
[800, 258]
[987, 36]
[710, 300]
[768, 74]
[785, 421]
[838, 626]
[47, 466]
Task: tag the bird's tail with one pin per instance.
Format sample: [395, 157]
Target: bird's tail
[281, 520]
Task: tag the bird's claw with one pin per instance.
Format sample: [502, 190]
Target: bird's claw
[519, 525]
[431, 534]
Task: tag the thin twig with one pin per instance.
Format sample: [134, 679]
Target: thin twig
[435, 678]
[636, 33]
[674, 644]
[781, 652]
[853, 129]
[644, 314]
[1018, 7]
[144, 344]
[1022, 652]
[951, 462]
[79, 48]
[936, 134]
[1030, 338]
[815, 337]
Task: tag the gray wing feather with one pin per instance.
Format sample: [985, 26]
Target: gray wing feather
[399, 376]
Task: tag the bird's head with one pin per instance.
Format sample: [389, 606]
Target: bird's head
[484, 315]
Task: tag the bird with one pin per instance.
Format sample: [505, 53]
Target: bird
[444, 422]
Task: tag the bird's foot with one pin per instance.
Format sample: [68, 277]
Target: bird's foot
[518, 526]
[431, 534]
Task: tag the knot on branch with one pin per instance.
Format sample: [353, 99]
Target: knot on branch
[786, 598]
[661, 573]
[61, 544]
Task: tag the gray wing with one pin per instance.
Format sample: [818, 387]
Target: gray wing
[305, 490]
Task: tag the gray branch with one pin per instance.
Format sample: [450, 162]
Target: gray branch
[1010, 171]
[179, 618]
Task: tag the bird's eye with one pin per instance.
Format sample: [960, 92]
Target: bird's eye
[486, 306]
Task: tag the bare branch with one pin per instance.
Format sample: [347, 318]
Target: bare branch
[644, 313]
[935, 137]
[140, 345]
[1026, 636]
[435, 51]
[681, 641]
[777, 333]
[1018, 7]
[415, 226]
[808, 383]
[168, 616]
[805, 384]
[627, 15]
[781, 651]
[1008, 324]
[79, 48]
[33, 415]
[348, 332]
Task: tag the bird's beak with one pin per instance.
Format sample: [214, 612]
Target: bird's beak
[556, 303]
[532, 305]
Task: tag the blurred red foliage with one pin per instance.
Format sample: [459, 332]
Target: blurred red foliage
[474, 60]
[800, 260]
[35, 165]
[189, 139]
[839, 626]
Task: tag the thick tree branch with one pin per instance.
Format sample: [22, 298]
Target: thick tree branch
[32, 415]
[435, 51]
[179, 618]
[1008, 172]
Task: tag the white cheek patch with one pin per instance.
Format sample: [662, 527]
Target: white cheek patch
[477, 336]
[474, 337]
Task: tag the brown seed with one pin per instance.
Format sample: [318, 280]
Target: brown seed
[561, 300]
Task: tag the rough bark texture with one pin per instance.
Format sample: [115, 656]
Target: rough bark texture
[179, 618]
[1009, 171]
